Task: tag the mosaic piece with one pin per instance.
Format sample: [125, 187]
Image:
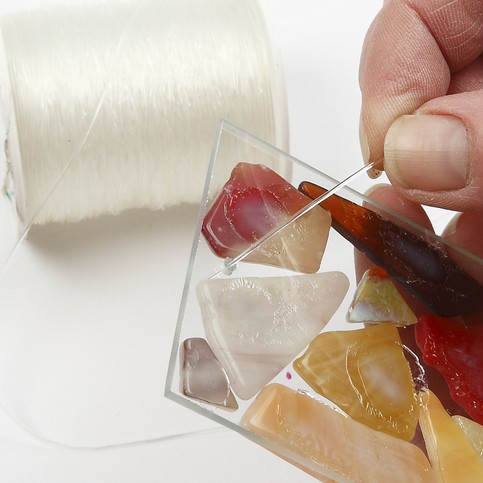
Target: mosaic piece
[457, 352]
[450, 452]
[334, 446]
[425, 374]
[202, 376]
[253, 202]
[364, 372]
[473, 432]
[378, 300]
[257, 325]
[422, 268]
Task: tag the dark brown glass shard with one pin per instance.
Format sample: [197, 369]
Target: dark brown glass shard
[422, 268]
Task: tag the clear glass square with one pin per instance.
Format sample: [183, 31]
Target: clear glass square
[233, 146]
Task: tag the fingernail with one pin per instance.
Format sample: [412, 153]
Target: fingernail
[427, 152]
[373, 173]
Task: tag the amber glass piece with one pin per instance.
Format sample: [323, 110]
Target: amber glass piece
[450, 452]
[329, 445]
[364, 372]
[422, 268]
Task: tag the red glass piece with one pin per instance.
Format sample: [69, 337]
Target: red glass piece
[431, 377]
[248, 211]
[422, 268]
[253, 202]
[457, 352]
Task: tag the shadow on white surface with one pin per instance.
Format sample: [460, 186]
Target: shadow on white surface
[87, 325]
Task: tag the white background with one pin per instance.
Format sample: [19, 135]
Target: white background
[320, 44]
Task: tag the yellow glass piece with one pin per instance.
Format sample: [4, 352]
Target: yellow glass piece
[378, 300]
[450, 452]
[473, 432]
[329, 445]
[364, 372]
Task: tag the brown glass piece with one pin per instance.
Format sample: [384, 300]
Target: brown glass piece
[422, 268]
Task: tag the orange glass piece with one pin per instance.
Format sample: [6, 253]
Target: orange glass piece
[450, 452]
[422, 268]
[328, 444]
[364, 372]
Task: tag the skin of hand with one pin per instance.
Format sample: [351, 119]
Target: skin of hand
[421, 78]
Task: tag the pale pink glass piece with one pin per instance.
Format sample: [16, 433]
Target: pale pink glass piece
[257, 325]
[202, 376]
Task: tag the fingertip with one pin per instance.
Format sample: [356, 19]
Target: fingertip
[392, 199]
[376, 171]
[465, 230]
[385, 197]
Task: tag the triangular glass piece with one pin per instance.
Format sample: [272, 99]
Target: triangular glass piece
[332, 446]
[378, 300]
[364, 372]
[449, 451]
[202, 376]
[257, 325]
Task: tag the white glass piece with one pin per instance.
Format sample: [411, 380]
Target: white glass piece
[257, 325]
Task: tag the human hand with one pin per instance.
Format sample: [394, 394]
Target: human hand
[421, 77]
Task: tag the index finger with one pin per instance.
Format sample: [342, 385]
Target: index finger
[409, 54]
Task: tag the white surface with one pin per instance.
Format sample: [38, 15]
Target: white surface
[320, 44]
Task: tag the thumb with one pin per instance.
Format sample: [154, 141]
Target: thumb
[435, 156]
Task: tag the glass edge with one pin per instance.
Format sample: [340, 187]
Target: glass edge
[278, 450]
[255, 141]
[193, 253]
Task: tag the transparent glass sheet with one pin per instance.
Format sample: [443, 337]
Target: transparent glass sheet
[262, 320]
